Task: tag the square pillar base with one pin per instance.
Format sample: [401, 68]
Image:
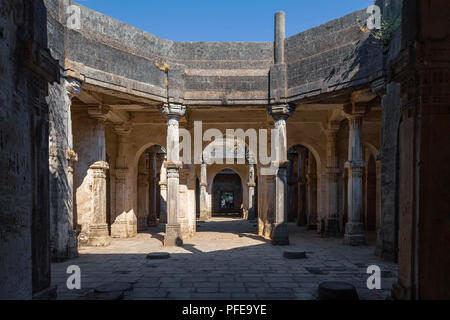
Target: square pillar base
[354, 234]
[98, 235]
[163, 218]
[173, 235]
[152, 221]
[280, 235]
[204, 216]
[332, 227]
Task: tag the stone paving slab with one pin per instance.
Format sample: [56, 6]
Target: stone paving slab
[225, 260]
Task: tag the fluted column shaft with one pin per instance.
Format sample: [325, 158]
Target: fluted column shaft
[173, 230]
[280, 114]
[163, 195]
[251, 192]
[354, 229]
[204, 212]
[98, 228]
[333, 172]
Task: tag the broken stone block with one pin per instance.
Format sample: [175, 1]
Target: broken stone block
[125, 225]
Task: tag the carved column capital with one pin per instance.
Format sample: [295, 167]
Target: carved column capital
[99, 112]
[99, 169]
[172, 110]
[281, 111]
[123, 129]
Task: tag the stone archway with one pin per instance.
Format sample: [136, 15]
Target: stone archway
[227, 194]
[150, 199]
[302, 187]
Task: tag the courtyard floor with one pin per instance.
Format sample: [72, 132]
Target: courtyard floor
[225, 260]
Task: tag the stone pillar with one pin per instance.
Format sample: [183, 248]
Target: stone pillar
[98, 230]
[153, 216]
[204, 212]
[61, 158]
[98, 234]
[378, 209]
[311, 192]
[125, 224]
[301, 187]
[280, 114]
[121, 169]
[173, 113]
[292, 180]
[333, 174]
[251, 192]
[143, 193]
[387, 237]
[354, 229]
[163, 194]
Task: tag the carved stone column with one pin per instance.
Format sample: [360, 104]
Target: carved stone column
[354, 229]
[98, 234]
[301, 187]
[125, 224]
[251, 192]
[143, 193]
[333, 173]
[63, 238]
[163, 194]
[98, 230]
[73, 87]
[311, 193]
[173, 113]
[280, 114]
[153, 215]
[121, 169]
[204, 212]
[378, 208]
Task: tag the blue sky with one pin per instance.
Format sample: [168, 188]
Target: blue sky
[223, 20]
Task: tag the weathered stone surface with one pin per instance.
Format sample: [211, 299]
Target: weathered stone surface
[125, 225]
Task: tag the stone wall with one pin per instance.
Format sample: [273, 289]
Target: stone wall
[26, 67]
[339, 53]
[331, 57]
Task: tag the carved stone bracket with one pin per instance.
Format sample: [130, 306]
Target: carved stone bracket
[173, 110]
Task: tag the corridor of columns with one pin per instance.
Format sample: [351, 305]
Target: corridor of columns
[185, 172]
[130, 174]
